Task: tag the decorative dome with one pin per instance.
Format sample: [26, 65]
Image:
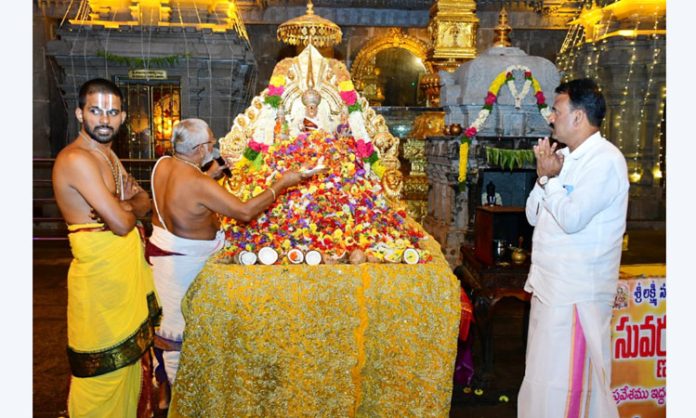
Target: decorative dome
[309, 29]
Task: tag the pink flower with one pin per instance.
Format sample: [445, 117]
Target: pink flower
[490, 98]
[471, 132]
[349, 97]
[257, 146]
[364, 149]
[275, 90]
[540, 97]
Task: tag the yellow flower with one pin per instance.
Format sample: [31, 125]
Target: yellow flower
[463, 157]
[535, 84]
[257, 191]
[286, 244]
[497, 83]
[277, 80]
[346, 85]
[337, 235]
[378, 168]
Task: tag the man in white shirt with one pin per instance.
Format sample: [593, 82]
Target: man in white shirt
[578, 208]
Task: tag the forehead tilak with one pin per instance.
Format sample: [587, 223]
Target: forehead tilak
[105, 101]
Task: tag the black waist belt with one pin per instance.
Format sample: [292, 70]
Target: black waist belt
[127, 352]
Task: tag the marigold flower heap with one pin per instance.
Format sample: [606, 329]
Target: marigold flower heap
[334, 212]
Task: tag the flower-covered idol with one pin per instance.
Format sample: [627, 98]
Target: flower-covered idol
[341, 212]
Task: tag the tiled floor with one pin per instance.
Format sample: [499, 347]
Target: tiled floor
[50, 371]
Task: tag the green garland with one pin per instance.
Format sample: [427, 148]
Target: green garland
[273, 101]
[509, 158]
[133, 62]
[372, 158]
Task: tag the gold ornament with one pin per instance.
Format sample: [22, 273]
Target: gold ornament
[309, 29]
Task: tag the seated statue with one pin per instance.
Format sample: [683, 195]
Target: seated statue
[280, 130]
[343, 128]
[310, 99]
[491, 197]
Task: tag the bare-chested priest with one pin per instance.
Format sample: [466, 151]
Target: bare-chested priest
[185, 225]
[111, 301]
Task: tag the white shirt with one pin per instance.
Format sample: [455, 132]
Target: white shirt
[579, 219]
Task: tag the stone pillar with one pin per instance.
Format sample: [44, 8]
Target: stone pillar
[447, 217]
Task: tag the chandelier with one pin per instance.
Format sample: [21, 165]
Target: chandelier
[309, 29]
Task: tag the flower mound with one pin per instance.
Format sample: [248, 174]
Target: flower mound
[335, 212]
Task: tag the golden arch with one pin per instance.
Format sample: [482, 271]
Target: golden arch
[363, 65]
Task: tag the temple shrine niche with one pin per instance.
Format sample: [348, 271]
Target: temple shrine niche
[500, 100]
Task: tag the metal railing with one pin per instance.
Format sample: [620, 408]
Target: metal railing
[48, 224]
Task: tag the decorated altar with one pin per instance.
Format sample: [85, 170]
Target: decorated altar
[328, 340]
[372, 330]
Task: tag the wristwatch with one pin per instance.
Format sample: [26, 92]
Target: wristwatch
[543, 180]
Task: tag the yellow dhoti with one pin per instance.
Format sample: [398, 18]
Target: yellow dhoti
[111, 312]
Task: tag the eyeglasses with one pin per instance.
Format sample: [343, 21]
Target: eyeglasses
[204, 143]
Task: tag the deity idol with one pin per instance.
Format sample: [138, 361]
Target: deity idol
[343, 128]
[310, 99]
[280, 130]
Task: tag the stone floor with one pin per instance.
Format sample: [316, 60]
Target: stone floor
[50, 367]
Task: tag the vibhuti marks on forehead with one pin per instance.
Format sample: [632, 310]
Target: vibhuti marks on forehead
[104, 101]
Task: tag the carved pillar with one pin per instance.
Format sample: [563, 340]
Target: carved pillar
[447, 214]
[416, 182]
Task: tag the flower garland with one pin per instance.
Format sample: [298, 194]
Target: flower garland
[365, 149]
[350, 97]
[276, 87]
[367, 152]
[252, 154]
[505, 77]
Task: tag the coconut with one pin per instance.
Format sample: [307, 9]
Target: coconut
[357, 256]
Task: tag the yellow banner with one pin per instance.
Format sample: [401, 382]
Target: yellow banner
[639, 330]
